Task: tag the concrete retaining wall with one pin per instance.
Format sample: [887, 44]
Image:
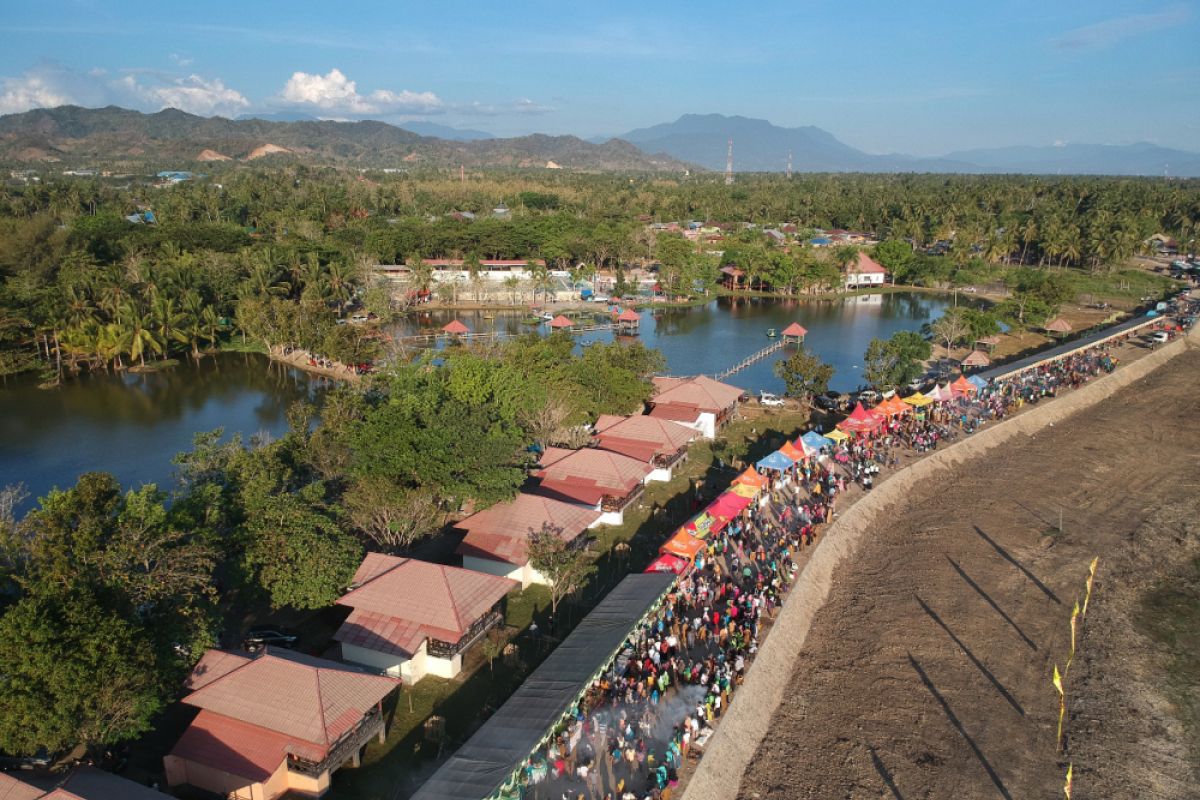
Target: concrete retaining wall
[719, 774]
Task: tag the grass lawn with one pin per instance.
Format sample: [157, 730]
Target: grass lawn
[400, 765]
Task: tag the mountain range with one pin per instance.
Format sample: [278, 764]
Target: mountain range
[114, 136]
[759, 146]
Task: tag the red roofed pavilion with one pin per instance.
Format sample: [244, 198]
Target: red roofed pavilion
[455, 328]
[794, 331]
[275, 722]
[497, 539]
[412, 618]
[561, 322]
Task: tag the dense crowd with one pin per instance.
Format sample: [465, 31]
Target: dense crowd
[657, 703]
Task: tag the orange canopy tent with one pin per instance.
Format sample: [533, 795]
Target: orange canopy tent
[751, 478]
[962, 386]
[791, 451]
[682, 544]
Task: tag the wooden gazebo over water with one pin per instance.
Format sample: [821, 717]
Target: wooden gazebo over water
[794, 333]
[628, 321]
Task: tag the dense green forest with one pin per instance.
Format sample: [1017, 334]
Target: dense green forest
[274, 256]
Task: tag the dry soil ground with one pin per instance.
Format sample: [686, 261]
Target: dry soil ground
[927, 672]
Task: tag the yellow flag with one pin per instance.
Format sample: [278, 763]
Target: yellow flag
[1091, 580]
[1074, 631]
[1057, 679]
[1067, 786]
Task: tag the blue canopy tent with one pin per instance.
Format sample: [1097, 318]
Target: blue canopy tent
[776, 461]
[816, 440]
[979, 382]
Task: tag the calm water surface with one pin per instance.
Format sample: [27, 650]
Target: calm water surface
[133, 425]
[711, 338]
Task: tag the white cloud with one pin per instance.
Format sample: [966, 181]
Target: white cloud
[192, 94]
[1111, 31]
[48, 85]
[336, 93]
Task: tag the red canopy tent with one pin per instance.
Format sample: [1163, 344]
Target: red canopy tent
[669, 563]
[455, 328]
[728, 505]
[682, 544]
[560, 322]
[860, 421]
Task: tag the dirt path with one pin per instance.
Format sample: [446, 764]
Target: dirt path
[926, 673]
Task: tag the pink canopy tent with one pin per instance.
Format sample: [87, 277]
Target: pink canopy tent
[728, 505]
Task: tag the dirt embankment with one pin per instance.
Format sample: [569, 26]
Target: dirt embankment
[913, 658]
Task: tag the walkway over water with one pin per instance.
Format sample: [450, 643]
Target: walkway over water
[750, 360]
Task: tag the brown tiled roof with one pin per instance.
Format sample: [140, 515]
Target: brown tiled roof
[701, 391]
[866, 264]
[400, 602]
[675, 413]
[13, 789]
[308, 699]
[643, 437]
[83, 783]
[502, 531]
[87, 783]
[239, 748]
[613, 472]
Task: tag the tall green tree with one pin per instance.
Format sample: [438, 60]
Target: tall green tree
[804, 375]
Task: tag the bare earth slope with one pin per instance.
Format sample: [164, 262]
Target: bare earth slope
[926, 674]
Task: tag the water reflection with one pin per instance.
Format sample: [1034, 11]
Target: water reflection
[133, 425]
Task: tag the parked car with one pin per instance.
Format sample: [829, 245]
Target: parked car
[258, 638]
[768, 399]
[1160, 337]
[830, 401]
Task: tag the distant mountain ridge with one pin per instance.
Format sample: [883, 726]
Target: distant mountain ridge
[759, 146]
[448, 132]
[111, 134]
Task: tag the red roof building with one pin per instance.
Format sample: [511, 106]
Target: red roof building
[700, 402]
[413, 618]
[604, 480]
[794, 331]
[865, 271]
[83, 783]
[497, 539]
[661, 443]
[274, 722]
[455, 328]
[560, 322]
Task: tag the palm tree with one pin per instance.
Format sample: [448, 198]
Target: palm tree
[167, 321]
[137, 334]
[338, 279]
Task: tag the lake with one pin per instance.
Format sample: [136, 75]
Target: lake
[713, 337]
[133, 425]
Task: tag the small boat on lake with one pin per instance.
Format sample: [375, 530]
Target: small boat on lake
[772, 333]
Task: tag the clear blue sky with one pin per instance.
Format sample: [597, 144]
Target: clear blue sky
[921, 78]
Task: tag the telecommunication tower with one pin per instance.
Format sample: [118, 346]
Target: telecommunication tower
[789, 167]
[729, 164]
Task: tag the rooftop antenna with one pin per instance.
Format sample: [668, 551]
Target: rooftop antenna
[789, 167]
[729, 164]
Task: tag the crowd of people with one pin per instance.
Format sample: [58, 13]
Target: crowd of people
[656, 705]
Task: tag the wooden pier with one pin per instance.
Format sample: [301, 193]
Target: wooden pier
[754, 358]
